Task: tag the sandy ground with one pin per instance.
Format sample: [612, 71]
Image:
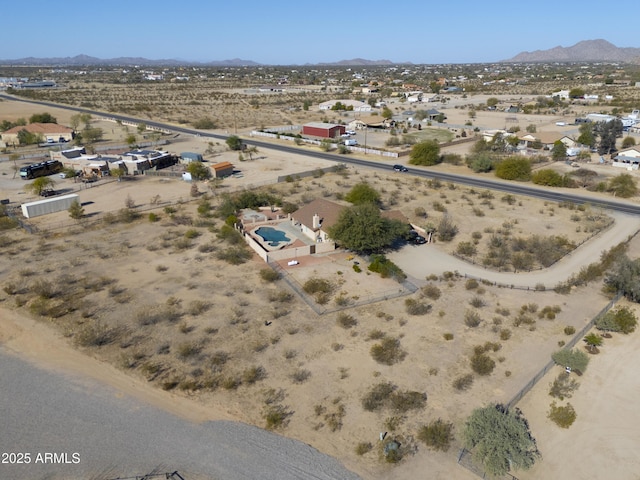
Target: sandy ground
[135, 268]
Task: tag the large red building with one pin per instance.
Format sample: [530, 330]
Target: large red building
[323, 130]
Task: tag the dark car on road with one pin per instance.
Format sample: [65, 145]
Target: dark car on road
[48, 193]
[400, 168]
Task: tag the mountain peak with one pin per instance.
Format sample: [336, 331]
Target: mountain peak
[598, 50]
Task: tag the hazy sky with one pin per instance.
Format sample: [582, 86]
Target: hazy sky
[299, 32]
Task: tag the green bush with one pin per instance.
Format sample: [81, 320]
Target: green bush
[437, 435]
[388, 351]
[363, 447]
[482, 364]
[562, 416]
[269, 275]
[514, 168]
[463, 382]
[472, 319]
[415, 307]
[563, 386]
[317, 285]
[622, 320]
[386, 268]
[569, 330]
[377, 396]
[574, 359]
[431, 291]
[346, 321]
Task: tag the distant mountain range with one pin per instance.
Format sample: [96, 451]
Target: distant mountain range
[585, 51]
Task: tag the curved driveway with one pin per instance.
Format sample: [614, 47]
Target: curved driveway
[422, 260]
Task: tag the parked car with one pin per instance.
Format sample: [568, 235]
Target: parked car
[48, 193]
[400, 168]
[350, 132]
[419, 240]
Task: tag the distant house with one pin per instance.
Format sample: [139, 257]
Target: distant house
[222, 169]
[629, 159]
[352, 105]
[323, 130]
[371, 121]
[546, 139]
[50, 132]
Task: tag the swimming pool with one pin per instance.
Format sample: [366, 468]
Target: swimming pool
[272, 236]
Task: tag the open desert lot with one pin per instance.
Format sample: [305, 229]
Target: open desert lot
[171, 310]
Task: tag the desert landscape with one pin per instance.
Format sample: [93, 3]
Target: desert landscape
[170, 308]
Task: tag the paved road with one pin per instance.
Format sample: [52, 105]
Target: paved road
[422, 260]
[556, 195]
[116, 435]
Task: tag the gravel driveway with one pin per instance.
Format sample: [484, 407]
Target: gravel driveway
[115, 435]
[422, 260]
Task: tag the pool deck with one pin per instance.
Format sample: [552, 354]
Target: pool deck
[298, 239]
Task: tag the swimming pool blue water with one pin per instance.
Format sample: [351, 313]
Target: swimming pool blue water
[272, 236]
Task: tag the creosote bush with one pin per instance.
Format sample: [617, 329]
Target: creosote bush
[463, 382]
[437, 435]
[346, 321]
[416, 307]
[388, 351]
[562, 416]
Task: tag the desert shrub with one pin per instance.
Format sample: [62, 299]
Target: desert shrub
[44, 288]
[94, 334]
[415, 307]
[482, 364]
[317, 285]
[187, 350]
[253, 374]
[446, 229]
[562, 416]
[151, 315]
[448, 336]
[437, 435]
[505, 334]
[477, 302]
[388, 351]
[377, 396]
[346, 321]
[402, 402]
[431, 291]
[363, 447]
[574, 359]
[569, 330]
[386, 268]
[276, 416]
[300, 376]
[471, 283]
[472, 319]
[463, 382]
[234, 255]
[269, 275]
[563, 386]
[197, 307]
[281, 296]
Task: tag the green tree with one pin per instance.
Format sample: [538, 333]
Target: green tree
[75, 121]
[623, 185]
[480, 162]
[76, 210]
[574, 359]
[141, 127]
[118, 172]
[593, 340]
[27, 138]
[92, 134]
[586, 136]
[198, 170]
[492, 101]
[624, 277]
[387, 113]
[514, 168]
[362, 193]
[363, 229]
[131, 140]
[234, 142]
[39, 185]
[622, 320]
[500, 439]
[628, 142]
[425, 153]
[42, 118]
[576, 93]
[559, 151]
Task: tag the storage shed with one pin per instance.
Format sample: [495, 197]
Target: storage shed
[323, 130]
[222, 169]
[188, 157]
